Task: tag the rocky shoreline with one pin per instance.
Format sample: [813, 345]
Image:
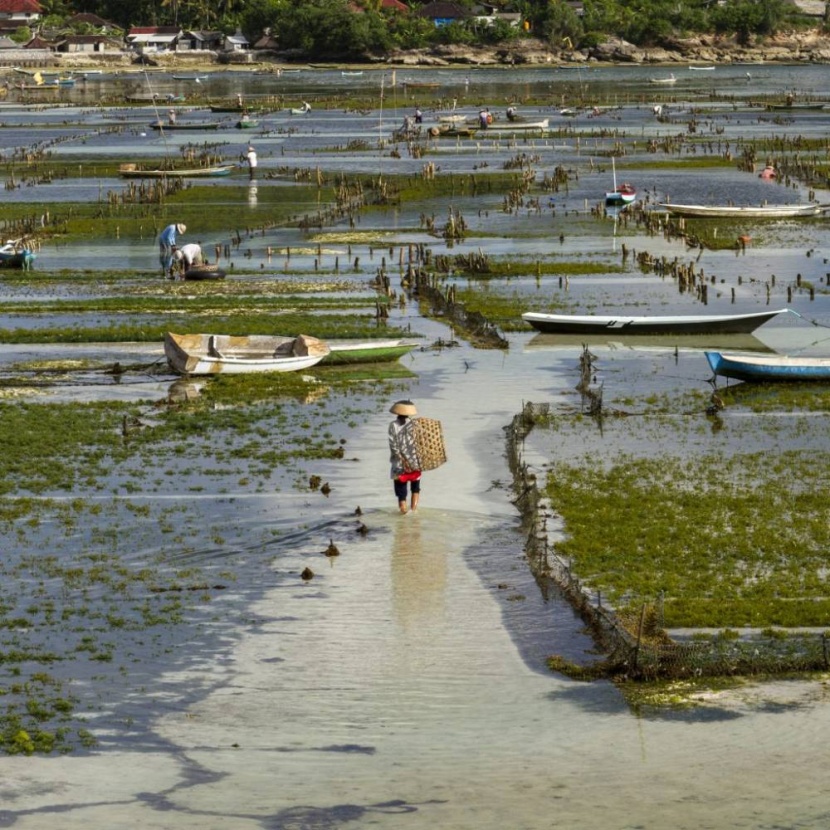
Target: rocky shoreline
[801, 47]
[793, 48]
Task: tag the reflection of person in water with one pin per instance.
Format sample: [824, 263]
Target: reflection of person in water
[403, 456]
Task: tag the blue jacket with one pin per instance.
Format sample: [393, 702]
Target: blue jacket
[168, 235]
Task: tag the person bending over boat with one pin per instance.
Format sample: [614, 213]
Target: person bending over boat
[403, 455]
[189, 255]
[167, 247]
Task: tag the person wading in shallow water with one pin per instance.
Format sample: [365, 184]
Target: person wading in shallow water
[403, 456]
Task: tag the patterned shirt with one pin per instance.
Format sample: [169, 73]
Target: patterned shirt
[403, 453]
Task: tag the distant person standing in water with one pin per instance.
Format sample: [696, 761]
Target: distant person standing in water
[403, 456]
[252, 162]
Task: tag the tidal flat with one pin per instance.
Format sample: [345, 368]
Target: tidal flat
[156, 528]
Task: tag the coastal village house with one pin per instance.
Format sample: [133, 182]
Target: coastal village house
[153, 38]
[19, 12]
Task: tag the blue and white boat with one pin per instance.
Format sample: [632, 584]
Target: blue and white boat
[769, 368]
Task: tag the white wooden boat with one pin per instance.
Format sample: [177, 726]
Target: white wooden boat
[518, 126]
[664, 81]
[702, 68]
[746, 211]
[675, 324]
[213, 354]
[769, 368]
[135, 171]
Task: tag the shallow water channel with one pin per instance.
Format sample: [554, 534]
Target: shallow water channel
[405, 685]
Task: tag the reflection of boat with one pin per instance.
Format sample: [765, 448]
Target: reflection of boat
[15, 255]
[133, 171]
[769, 367]
[421, 84]
[160, 125]
[624, 324]
[367, 351]
[750, 211]
[198, 78]
[209, 354]
[700, 342]
[625, 194]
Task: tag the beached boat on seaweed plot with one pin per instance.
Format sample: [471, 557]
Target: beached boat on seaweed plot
[625, 194]
[207, 125]
[745, 211]
[518, 126]
[212, 354]
[622, 324]
[367, 351]
[769, 368]
[135, 171]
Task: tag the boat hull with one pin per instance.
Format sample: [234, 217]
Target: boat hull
[127, 172]
[204, 272]
[769, 368]
[181, 127]
[213, 354]
[752, 212]
[348, 352]
[622, 325]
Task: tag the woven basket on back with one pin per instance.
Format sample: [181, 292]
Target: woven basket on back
[429, 443]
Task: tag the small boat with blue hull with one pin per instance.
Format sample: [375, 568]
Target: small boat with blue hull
[769, 368]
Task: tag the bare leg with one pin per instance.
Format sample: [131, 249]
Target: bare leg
[415, 497]
[402, 506]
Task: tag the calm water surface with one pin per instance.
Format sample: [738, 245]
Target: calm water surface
[405, 685]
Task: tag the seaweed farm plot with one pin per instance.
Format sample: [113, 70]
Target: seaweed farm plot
[683, 524]
[148, 542]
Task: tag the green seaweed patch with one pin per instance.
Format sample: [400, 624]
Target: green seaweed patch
[695, 534]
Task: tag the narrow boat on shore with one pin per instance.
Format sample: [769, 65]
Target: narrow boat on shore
[518, 126]
[769, 368]
[135, 171]
[676, 324]
[367, 351]
[212, 354]
[745, 211]
[160, 125]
